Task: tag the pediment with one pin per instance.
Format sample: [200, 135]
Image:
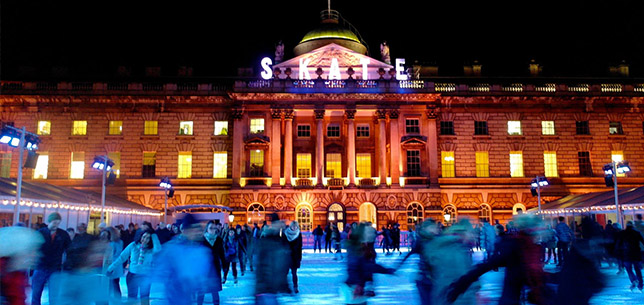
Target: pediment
[413, 140]
[257, 140]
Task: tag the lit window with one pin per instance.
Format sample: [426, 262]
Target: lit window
[220, 167]
[116, 158]
[149, 164]
[484, 213]
[514, 128]
[303, 165]
[363, 165]
[617, 156]
[413, 163]
[615, 128]
[185, 165]
[40, 172]
[447, 164]
[256, 125]
[116, 127]
[550, 163]
[333, 131]
[362, 131]
[44, 128]
[547, 128]
[150, 127]
[255, 213]
[516, 164]
[5, 164]
[304, 131]
[412, 126]
[78, 165]
[185, 128]
[304, 218]
[482, 164]
[257, 163]
[221, 128]
[334, 165]
[414, 214]
[79, 128]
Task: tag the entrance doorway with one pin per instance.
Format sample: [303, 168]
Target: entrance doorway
[336, 215]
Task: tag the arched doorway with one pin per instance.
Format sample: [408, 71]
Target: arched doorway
[336, 215]
[449, 214]
[368, 213]
[414, 215]
[485, 213]
[304, 216]
[255, 213]
[518, 208]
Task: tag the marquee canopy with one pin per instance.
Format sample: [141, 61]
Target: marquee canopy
[596, 202]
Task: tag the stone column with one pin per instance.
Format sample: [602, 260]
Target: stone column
[276, 136]
[382, 146]
[396, 167]
[238, 145]
[319, 147]
[432, 145]
[288, 146]
[351, 147]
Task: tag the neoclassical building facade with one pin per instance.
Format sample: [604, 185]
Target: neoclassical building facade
[364, 146]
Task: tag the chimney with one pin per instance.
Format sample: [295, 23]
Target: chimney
[535, 68]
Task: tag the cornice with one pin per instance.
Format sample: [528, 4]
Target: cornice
[350, 97]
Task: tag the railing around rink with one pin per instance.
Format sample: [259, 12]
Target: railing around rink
[308, 240]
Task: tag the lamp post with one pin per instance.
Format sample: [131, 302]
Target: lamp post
[169, 193]
[536, 185]
[20, 138]
[231, 218]
[610, 177]
[104, 164]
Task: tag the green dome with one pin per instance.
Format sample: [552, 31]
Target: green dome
[330, 31]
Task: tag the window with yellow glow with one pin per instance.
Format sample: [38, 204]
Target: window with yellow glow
[367, 212]
[151, 127]
[220, 167]
[447, 164]
[149, 164]
[257, 163]
[334, 165]
[40, 172]
[79, 128]
[550, 163]
[185, 165]
[221, 128]
[547, 128]
[77, 169]
[116, 127]
[617, 156]
[257, 125]
[514, 128]
[304, 217]
[185, 128]
[44, 128]
[516, 164]
[5, 164]
[303, 165]
[116, 158]
[363, 165]
[482, 164]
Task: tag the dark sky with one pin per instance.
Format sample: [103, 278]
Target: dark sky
[92, 38]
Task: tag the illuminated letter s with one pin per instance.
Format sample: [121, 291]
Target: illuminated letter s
[266, 66]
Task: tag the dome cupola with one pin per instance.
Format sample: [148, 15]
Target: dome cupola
[331, 30]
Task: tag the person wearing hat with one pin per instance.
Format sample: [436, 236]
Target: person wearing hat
[56, 243]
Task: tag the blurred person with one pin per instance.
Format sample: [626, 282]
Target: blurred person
[426, 232]
[141, 256]
[629, 241]
[395, 238]
[113, 250]
[360, 265]
[318, 235]
[564, 238]
[294, 238]
[579, 278]
[84, 283]
[249, 246]
[56, 243]
[385, 242]
[488, 239]
[328, 232]
[272, 263]
[71, 233]
[214, 243]
[242, 246]
[184, 264]
[78, 247]
[337, 242]
[146, 226]
[550, 244]
[18, 253]
[619, 250]
[230, 249]
[127, 236]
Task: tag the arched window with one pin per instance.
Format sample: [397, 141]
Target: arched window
[485, 213]
[414, 214]
[449, 214]
[336, 215]
[368, 213]
[518, 208]
[255, 213]
[304, 216]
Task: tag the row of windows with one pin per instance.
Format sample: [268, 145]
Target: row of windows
[77, 166]
[79, 128]
[547, 128]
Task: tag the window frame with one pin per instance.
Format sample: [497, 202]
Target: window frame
[447, 128]
[548, 130]
[223, 130]
[331, 164]
[303, 130]
[190, 131]
[482, 168]
[76, 130]
[585, 164]
[40, 129]
[481, 128]
[253, 125]
[515, 130]
[149, 170]
[115, 128]
[329, 131]
[448, 167]
[412, 128]
[517, 172]
[363, 131]
[413, 163]
[582, 128]
[221, 172]
[550, 167]
[303, 164]
[184, 171]
[147, 128]
[361, 166]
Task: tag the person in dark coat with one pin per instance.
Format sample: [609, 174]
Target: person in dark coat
[78, 248]
[242, 248]
[630, 240]
[212, 241]
[272, 263]
[395, 239]
[230, 250]
[294, 238]
[56, 243]
[163, 233]
[318, 235]
[328, 233]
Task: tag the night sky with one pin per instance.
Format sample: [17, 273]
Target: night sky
[92, 38]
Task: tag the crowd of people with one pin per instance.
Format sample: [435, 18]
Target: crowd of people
[190, 260]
